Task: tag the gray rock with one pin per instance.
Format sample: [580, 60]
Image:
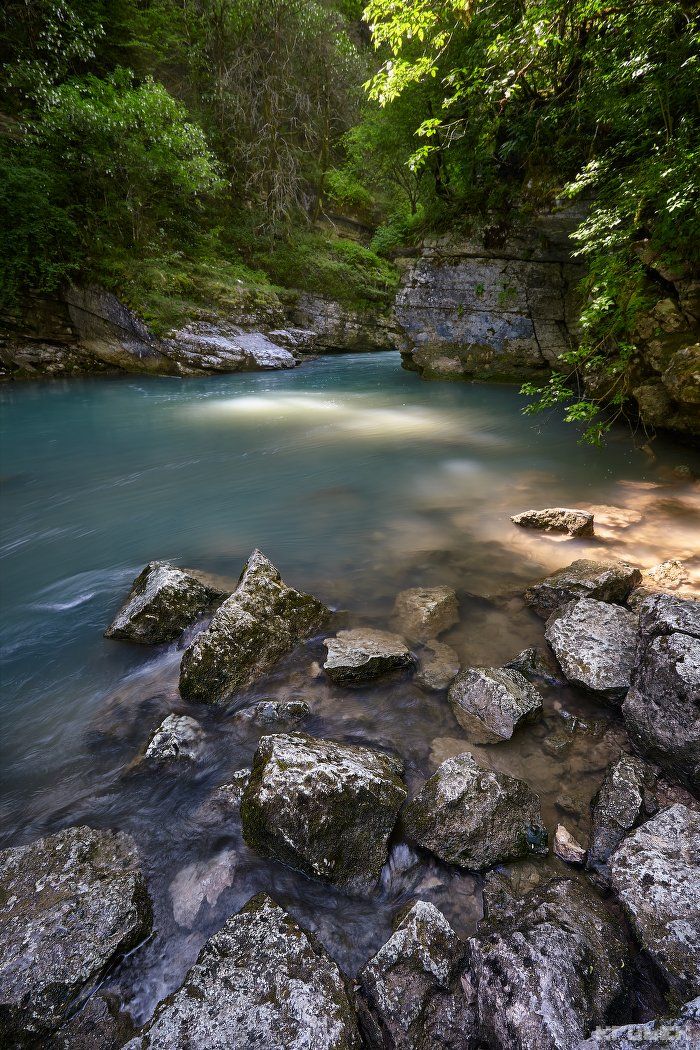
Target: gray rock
[603, 581]
[548, 966]
[473, 817]
[595, 644]
[669, 578]
[620, 805]
[662, 709]
[177, 737]
[201, 883]
[100, 1025]
[534, 663]
[437, 665]
[72, 903]
[163, 601]
[260, 983]
[324, 808]
[655, 873]
[274, 712]
[421, 613]
[567, 848]
[222, 347]
[262, 621]
[363, 653]
[411, 995]
[677, 1033]
[491, 702]
[556, 519]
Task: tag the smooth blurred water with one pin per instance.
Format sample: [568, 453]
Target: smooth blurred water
[357, 479]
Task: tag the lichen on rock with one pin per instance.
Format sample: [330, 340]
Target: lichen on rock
[163, 601]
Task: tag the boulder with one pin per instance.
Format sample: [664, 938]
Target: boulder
[491, 702]
[324, 808]
[534, 663]
[655, 874]
[72, 903]
[662, 709]
[421, 613]
[473, 817]
[411, 994]
[363, 653]
[274, 712]
[623, 801]
[260, 983]
[437, 665]
[556, 519]
[567, 848]
[177, 737]
[262, 621]
[595, 644]
[163, 601]
[548, 966]
[602, 581]
[672, 1033]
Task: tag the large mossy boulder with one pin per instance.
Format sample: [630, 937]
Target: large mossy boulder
[326, 809]
[595, 644]
[602, 581]
[548, 966]
[655, 874]
[491, 702]
[71, 904]
[662, 709]
[163, 601]
[411, 995]
[261, 622]
[473, 817]
[359, 655]
[260, 983]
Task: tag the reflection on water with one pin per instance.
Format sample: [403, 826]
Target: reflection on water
[358, 480]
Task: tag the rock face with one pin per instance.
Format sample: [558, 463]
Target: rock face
[556, 519]
[548, 966]
[620, 804]
[662, 709]
[677, 1033]
[72, 903]
[438, 665]
[605, 582]
[336, 328]
[421, 613]
[475, 818]
[410, 993]
[262, 621]
[595, 644]
[261, 982]
[655, 873]
[177, 737]
[163, 601]
[324, 808]
[491, 702]
[363, 653]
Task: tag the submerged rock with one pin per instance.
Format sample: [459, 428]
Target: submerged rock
[223, 805]
[662, 709]
[324, 808]
[672, 1033]
[410, 994]
[163, 601]
[620, 805]
[556, 519]
[535, 663]
[274, 712]
[567, 848]
[437, 665]
[655, 873]
[100, 1025]
[595, 644]
[491, 702]
[202, 881]
[421, 613]
[363, 653]
[548, 966]
[177, 737]
[474, 817]
[72, 903]
[262, 621]
[602, 581]
[260, 983]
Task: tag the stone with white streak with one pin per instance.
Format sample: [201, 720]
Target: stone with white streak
[595, 644]
[163, 601]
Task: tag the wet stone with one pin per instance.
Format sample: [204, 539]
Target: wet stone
[490, 703]
[567, 848]
[223, 805]
[595, 644]
[261, 983]
[602, 581]
[200, 883]
[163, 602]
[667, 1033]
[556, 519]
[534, 663]
[100, 1025]
[177, 738]
[623, 801]
[324, 808]
[72, 903]
[438, 664]
[361, 654]
[412, 993]
[274, 712]
[473, 817]
[421, 613]
[655, 873]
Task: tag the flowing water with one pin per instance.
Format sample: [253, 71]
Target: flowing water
[357, 480]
